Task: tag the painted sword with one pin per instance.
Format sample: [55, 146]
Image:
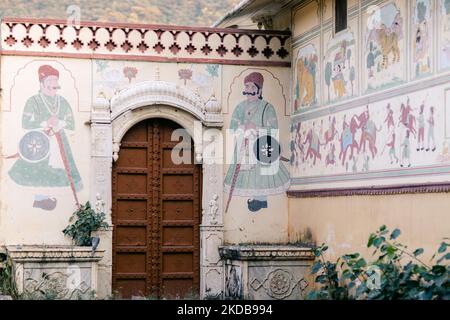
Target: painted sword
[66, 165]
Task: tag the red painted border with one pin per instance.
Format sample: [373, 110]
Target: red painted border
[374, 190]
[145, 26]
[144, 58]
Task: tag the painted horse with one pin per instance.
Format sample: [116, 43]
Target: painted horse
[348, 139]
[369, 135]
[313, 150]
[330, 133]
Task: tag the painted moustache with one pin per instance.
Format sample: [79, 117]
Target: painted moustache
[245, 93]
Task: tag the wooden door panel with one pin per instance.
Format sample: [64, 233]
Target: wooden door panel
[133, 158]
[178, 236]
[178, 184]
[131, 287]
[174, 288]
[156, 215]
[182, 159]
[177, 262]
[180, 210]
[132, 184]
[131, 236]
[139, 133]
[131, 263]
[131, 210]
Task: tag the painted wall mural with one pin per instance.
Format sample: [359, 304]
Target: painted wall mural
[306, 78]
[112, 76]
[400, 137]
[257, 169]
[44, 157]
[422, 33]
[384, 47]
[444, 31]
[340, 67]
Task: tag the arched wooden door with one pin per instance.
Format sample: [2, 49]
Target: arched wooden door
[156, 216]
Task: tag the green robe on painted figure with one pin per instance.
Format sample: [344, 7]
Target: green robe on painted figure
[49, 172]
[251, 182]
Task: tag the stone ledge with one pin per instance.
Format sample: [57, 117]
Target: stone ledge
[53, 253]
[266, 252]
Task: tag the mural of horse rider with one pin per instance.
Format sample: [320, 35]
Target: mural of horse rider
[368, 133]
[46, 159]
[407, 118]
[313, 140]
[250, 178]
[348, 139]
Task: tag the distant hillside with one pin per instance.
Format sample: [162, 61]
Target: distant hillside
[178, 12]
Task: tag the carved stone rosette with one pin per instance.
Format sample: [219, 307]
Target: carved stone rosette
[267, 272]
[55, 272]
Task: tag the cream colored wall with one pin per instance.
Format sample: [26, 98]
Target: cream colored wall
[305, 17]
[345, 223]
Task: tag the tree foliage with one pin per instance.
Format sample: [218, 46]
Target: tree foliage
[396, 273]
[174, 12]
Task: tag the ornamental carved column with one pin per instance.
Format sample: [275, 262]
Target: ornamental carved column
[211, 229]
[100, 194]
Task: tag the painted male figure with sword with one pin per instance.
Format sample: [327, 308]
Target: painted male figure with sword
[248, 175]
[46, 158]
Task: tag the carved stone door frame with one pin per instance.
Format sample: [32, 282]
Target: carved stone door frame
[111, 119]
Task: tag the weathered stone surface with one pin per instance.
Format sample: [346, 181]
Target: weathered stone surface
[266, 272]
[55, 272]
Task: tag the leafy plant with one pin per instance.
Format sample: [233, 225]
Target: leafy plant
[7, 283]
[84, 221]
[396, 274]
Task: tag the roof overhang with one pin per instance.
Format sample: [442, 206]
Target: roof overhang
[254, 9]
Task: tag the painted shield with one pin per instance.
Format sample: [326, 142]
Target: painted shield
[34, 146]
[267, 149]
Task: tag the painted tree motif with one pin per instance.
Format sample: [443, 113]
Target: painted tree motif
[422, 36]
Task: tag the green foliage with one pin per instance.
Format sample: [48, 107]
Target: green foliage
[186, 12]
[395, 274]
[87, 221]
[7, 283]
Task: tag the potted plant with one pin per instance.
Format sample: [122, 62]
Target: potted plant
[83, 222]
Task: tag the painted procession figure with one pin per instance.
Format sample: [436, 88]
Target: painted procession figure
[247, 178]
[46, 159]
